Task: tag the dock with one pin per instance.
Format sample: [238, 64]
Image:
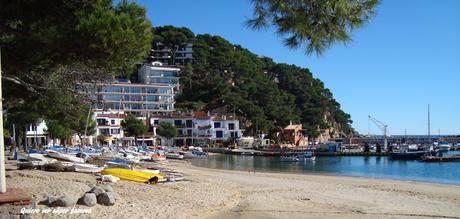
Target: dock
[454, 158]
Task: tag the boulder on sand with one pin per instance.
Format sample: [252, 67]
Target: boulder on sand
[88, 199]
[64, 201]
[107, 198]
[97, 190]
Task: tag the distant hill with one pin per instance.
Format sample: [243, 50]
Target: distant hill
[267, 95]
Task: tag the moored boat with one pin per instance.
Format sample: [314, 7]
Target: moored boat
[289, 159]
[407, 155]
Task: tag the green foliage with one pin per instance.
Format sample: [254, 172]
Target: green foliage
[57, 130]
[265, 94]
[50, 46]
[317, 24]
[134, 126]
[167, 130]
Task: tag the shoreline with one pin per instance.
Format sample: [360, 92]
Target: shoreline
[338, 175]
[216, 193]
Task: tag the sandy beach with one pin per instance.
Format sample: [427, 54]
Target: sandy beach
[211, 193]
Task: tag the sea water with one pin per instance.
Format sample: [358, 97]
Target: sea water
[374, 167]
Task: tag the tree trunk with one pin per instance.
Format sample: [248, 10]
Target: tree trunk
[25, 139]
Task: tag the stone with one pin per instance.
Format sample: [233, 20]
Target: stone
[106, 188]
[48, 201]
[88, 199]
[97, 190]
[107, 198]
[65, 201]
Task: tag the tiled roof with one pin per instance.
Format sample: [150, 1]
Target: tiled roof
[293, 127]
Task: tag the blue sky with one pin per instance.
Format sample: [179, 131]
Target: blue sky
[407, 57]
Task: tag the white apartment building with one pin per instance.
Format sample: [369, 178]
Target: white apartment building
[198, 128]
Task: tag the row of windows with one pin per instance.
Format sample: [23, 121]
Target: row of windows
[135, 98]
[135, 90]
[134, 106]
[109, 131]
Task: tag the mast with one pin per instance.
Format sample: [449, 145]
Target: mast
[429, 128]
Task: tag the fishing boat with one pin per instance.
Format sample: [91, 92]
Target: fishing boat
[64, 157]
[309, 156]
[290, 159]
[133, 175]
[158, 157]
[195, 154]
[119, 163]
[172, 155]
[87, 168]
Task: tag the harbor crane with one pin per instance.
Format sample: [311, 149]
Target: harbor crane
[384, 129]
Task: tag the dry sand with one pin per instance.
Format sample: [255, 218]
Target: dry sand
[214, 193]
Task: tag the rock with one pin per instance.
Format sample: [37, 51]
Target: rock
[65, 201]
[107, 198]
[88, 199]
[106, 188]
[48, 201]
[97, 190]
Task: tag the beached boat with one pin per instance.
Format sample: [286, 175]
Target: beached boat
[64, 157]
[119, 163]
[172, 155]
[158, 157]
[133, 175]
[87, 168]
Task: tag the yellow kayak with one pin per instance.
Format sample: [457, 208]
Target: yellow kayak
[133, 175]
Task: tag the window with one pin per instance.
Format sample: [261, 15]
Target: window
[178, 122]
[105, 131]
[231, 126]
[112, 121]
[219, 134]
[217, 125]
[189, 123]
[156, 121]
[115, 131]
[234, 134]
[101, 121]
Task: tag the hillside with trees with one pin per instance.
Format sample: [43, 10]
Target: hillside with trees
[267, 95]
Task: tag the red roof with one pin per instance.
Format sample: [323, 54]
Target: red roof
[200, 115]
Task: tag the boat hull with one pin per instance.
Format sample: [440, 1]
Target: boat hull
[411, 155]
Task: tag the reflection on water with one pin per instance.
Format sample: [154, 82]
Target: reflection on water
[378, 167]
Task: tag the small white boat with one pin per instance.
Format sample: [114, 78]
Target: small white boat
[64, 157]
[171, 155]
[39, 159]
[290, 159]
[87, 168]
[444, 146]
[309, 156]
[111, 164]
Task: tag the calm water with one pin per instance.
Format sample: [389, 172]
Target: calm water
[375, 167]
